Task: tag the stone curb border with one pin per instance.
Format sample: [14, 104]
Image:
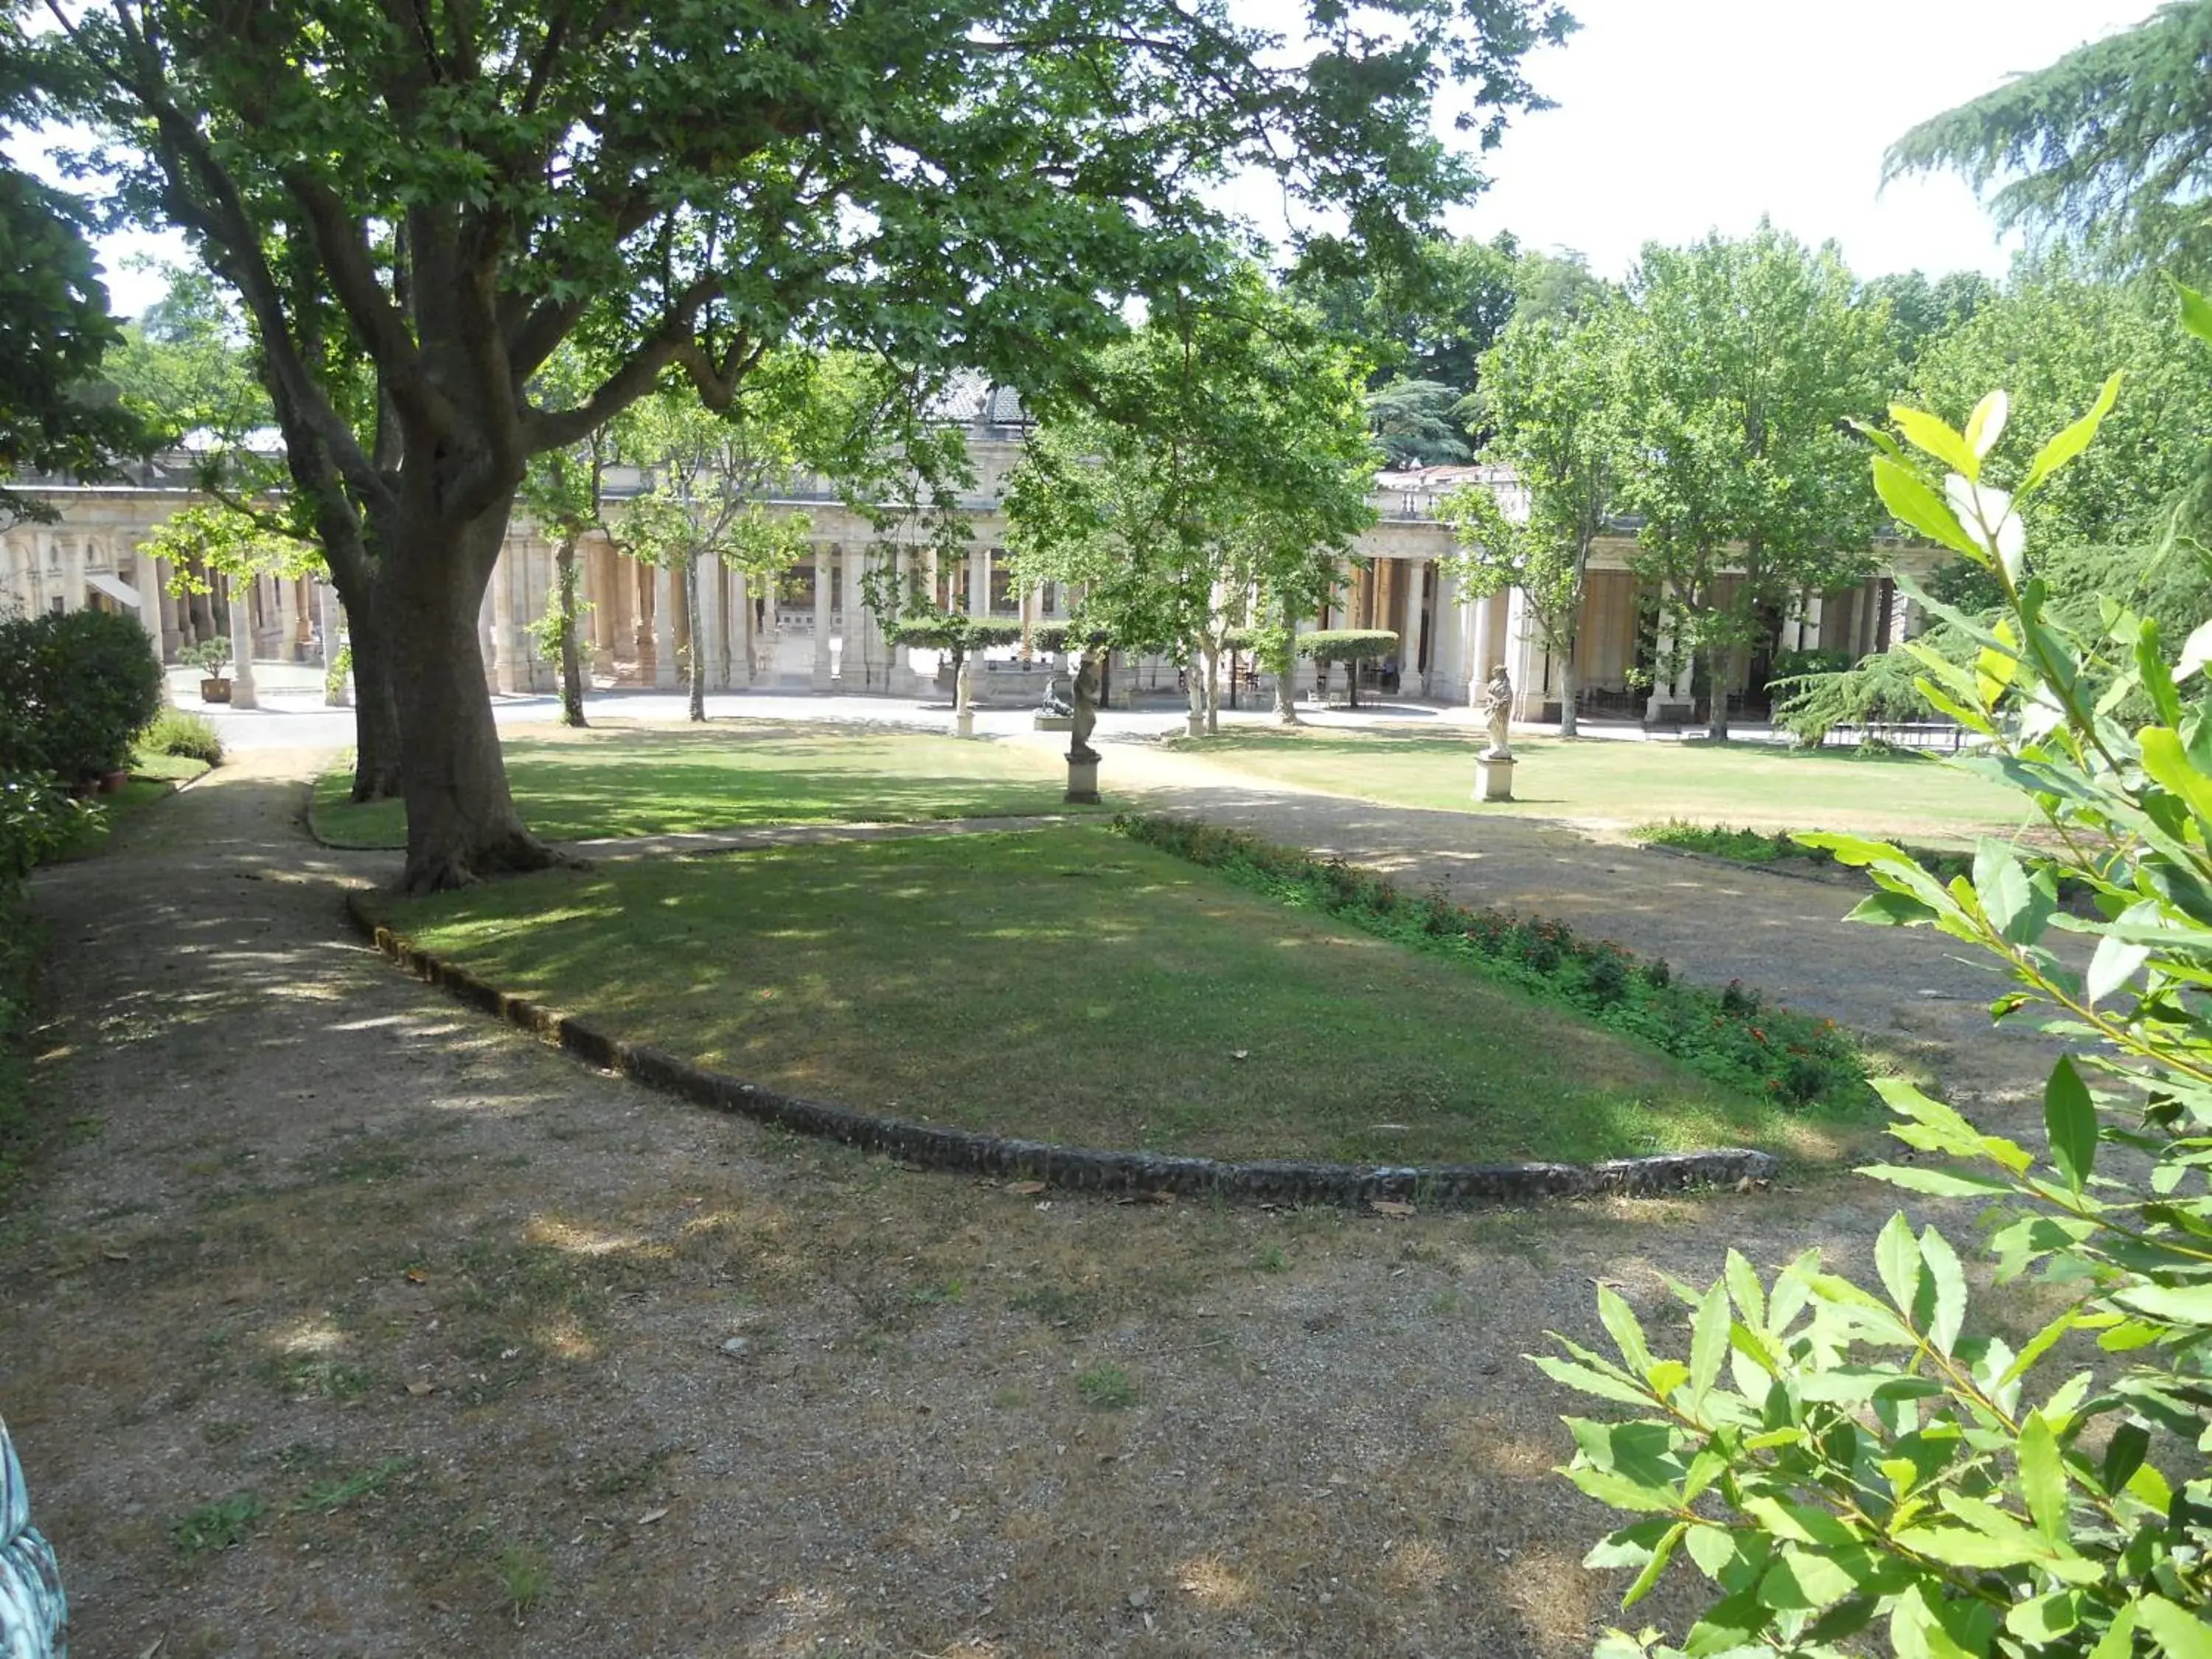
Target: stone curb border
[1072, 1167]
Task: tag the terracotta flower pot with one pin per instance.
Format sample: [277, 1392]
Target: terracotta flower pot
[111, 781]
[215, 690]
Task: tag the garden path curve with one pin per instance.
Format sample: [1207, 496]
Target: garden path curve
[448, 1306]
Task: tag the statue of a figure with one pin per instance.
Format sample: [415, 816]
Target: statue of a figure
[1496, 708]
[1085, 709]
[1057, 697]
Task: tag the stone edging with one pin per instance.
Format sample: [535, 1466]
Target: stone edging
[933, 1146]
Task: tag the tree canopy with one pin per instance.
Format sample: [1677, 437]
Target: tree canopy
[689, 187]
[1744, 361]
[2111, 145]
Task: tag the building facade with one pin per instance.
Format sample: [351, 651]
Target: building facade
[808, 629]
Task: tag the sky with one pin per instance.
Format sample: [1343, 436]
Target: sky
[1679, 117]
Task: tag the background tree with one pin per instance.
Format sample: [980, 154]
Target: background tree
[1744, 360]
[1547, 395]
[707, 503]
[2112, 145]
[565, 491]
[2049, 338]
[1415, 423]
[693, 186]
[1212, 476]
[55, 326]
[1922, 312]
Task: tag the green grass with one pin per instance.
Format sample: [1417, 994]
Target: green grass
[1609, 781]
[153, 778]
[1071, 985]
[218, 1525]
[616, 780]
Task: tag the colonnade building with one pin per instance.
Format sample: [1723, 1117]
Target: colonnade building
[806, 629]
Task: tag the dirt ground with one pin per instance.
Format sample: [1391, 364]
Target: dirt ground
[340, 1321]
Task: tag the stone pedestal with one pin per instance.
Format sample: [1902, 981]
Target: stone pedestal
[1082, 783]
[1493, 777]
[242, 648]
[1044, 722]
[964, 722]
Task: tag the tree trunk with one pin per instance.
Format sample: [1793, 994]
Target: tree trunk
[375, 706]
[696, 658]
[1716, 674]
[1569, 685]
[1194, 674]
[1352, 683]
[1286, 696]
[572, 655]
[461, 823]
[1212, 690]
[376, 744]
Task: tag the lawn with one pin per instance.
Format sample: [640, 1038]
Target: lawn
[1070, 984]
[625, 780]
[153, 778]
[1605, 781]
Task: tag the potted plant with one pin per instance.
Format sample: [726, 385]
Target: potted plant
[212, 659]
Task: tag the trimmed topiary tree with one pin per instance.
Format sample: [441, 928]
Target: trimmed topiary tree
[1349, 646]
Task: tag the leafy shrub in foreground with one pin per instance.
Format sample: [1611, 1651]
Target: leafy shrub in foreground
[37, 820]
[76, 687]
[1731, 1036]
[1858, 1470]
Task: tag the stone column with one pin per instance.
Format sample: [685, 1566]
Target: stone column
[72, 573]
[241, 650]
[664, 627]
[1527, 661]
[1662, 660]
[979, 582]
[1412, 682]
[708, 633]
[148, 583]
[1815, 607]
[600, 585]
[824, 678]
[506, 669]
[1479, 656]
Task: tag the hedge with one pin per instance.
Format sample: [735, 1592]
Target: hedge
[1732, 1035]
[1347, 644]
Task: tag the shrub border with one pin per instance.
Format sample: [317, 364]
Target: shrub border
[1082, 1168]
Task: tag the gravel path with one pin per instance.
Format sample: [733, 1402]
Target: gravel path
[475, 1328]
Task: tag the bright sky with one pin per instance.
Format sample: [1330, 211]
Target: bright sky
[1677, 117]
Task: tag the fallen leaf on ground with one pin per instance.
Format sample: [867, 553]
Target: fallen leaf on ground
[1025, 1189]
[1391, 1206]
[1240, 1054]
[651, 1516]
[416, 1276]
[419, 1388]
[116, 1255]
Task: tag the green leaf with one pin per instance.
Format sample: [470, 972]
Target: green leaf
[2196, 651]
[1709, 1341]
[1807, 1581]
[1656, 1566]
[2116, 961]
[1897, 1254]
[1950, 1281]
[1620, 1492]
[2070, 1117]
[2123, 1455]
[1934, 436]
[2043, 1620]
[1891, 909]
[2073, 439]
[1987, 424]
[2178, 1304]
[2042, 1477]
[1742, 1281]
[2119, 1641]
[2179, 1634]
[1914, 506]
[2196, 310]
[1936, 1183]
[1621, 1323]
[2168, 763]
[1584, 1379]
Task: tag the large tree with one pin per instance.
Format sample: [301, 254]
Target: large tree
[1548, 396]
[1207, 474]
[691, 185]
[2111, 145]
[1744, 361]
[55, 324]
